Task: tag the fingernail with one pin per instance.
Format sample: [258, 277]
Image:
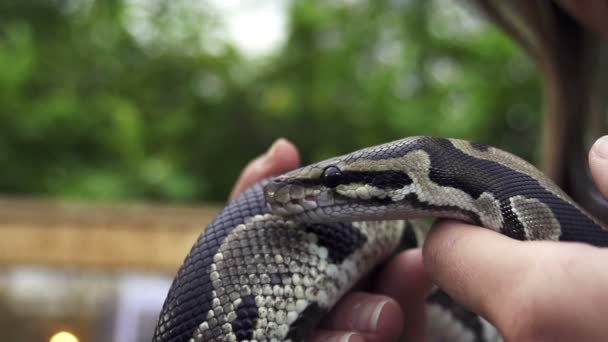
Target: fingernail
[345, 337]
[600, 148]
[376, 315]
[367, 314]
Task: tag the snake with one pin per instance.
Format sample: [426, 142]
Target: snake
[276, 259]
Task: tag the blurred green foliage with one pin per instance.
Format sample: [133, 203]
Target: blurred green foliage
[137, 99]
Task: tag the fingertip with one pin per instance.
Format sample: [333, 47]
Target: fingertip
[598, 164]
[377, 317]
[387, 320]
[283, 155]
[412, 262]
[600, 147]
[336, 336]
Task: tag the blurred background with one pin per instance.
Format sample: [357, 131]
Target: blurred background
[124, 123]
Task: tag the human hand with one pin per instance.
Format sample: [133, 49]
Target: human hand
[281, 157]
[397, 293]
[531, 291]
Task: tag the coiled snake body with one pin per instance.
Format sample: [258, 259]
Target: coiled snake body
[280, 256]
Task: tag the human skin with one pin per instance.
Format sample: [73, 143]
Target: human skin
[531, 291]
[535, 291]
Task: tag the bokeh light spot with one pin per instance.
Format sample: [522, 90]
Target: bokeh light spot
[64, 336]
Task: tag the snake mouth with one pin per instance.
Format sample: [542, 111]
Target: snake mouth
[288, 199]
[313, 202]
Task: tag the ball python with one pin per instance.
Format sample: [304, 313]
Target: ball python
[278, 257]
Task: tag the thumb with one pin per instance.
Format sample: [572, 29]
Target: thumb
[531, 291]
[475, 266]
[281, 157]
[598, 163]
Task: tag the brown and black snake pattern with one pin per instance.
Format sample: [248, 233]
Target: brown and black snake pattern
[276, 259]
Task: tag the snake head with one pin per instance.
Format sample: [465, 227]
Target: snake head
[305, 189]
[360, 184]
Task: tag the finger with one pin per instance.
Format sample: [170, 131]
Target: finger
[378, 318]
[336, 336]
[535, 290]
[475, 266]
[405, 280]
[598, 163]
[281, 157]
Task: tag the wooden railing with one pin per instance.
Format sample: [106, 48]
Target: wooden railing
[146, 237]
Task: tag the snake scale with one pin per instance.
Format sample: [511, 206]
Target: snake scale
[277, 258]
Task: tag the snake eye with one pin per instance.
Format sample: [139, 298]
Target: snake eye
[331, 176]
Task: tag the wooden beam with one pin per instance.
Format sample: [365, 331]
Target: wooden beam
[146, 237]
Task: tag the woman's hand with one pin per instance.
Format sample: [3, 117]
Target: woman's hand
[281, 157]
[531, 291]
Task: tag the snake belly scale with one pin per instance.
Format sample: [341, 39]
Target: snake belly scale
[277, 258]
